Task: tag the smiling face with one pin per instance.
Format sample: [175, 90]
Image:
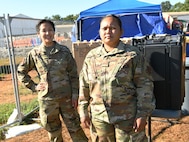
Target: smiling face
[110, 31]
[46, 33]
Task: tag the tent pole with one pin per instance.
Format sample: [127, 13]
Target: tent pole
[80, 29]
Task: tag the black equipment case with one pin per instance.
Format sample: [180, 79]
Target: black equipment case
[166, 55]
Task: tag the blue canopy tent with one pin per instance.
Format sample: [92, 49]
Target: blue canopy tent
[138, 18]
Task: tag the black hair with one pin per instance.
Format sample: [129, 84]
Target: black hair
[114, 16]
[44, 21]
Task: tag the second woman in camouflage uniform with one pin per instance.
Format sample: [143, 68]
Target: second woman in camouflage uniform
[116, 83]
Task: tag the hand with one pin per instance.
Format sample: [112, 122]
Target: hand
[139, 124]
[41, 86]
[85, 121]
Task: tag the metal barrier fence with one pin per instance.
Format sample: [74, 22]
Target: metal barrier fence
[17, 37]
[14, 97]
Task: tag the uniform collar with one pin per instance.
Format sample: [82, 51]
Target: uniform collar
[118, 49]
[54, 50]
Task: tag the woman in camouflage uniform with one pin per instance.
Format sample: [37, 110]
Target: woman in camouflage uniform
[58, 85]
[116, 88]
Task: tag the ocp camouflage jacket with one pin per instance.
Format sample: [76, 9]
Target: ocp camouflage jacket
[57, 69]
[118, 85]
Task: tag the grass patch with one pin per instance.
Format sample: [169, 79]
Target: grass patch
[23, 90]
[26, 107]
[2, 75]
[7, 109]
[4, 62]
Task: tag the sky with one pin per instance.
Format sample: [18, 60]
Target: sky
[47, 8]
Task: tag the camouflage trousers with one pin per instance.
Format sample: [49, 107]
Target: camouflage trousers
[50, 112]
[118, 132]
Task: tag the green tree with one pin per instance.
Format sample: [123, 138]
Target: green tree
[56, 17]
[71, 18]
[186, 5]
[47, 18]
[178, 7]
[166, 6]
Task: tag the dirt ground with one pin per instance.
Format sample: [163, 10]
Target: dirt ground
[163, 130]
